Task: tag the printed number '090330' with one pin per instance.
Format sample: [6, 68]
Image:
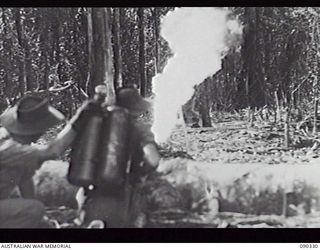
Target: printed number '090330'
[308, 245]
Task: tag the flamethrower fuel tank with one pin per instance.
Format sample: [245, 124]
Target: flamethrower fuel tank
[84, 154]
[114, 149]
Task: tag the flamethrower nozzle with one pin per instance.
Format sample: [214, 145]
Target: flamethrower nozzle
[100, 93]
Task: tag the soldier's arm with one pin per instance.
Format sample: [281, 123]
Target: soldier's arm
[50, 152]
[151, 155]
[149, 147]
[56, 147]
[65, 138]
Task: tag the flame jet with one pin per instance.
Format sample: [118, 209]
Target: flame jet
[199, 38]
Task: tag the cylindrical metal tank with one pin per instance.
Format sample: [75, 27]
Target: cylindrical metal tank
[84, 154]
[114, 150]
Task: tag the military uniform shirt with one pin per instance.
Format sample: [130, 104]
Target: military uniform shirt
[17, 161]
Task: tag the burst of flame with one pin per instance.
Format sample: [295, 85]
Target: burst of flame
[198, 38]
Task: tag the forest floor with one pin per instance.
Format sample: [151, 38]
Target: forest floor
[232, 148]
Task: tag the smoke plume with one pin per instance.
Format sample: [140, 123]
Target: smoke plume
[198, 37]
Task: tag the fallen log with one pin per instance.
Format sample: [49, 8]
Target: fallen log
[203, 188]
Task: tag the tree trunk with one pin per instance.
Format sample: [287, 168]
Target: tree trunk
[205, 115]
[28, 69]
[277, 117]
[315, 116]
[21, 63]
[316, 83]
[54, 41]
[117, 49]
[205, 104]
[286, 128]
[27, 60]
[44, 84]
[8, 82]
[156, 38]
[90, 49]
[252, 67]
[142, 71]
[100, 51]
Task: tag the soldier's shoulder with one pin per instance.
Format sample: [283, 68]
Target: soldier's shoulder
[141, 126]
